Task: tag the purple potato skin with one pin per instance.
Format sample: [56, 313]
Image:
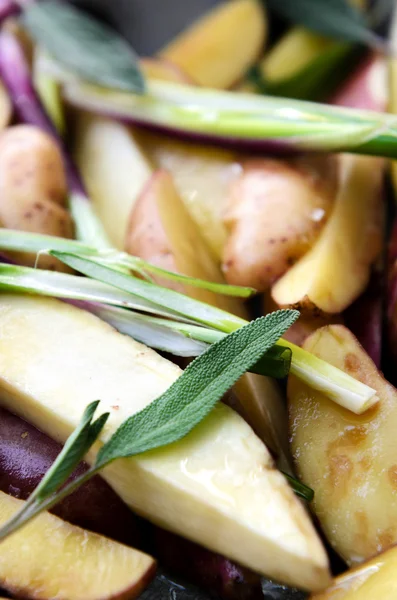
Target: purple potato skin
[26, 454]
[364, 318]
[206, 569]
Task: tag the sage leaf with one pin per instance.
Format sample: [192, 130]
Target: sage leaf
[84, 45]
[193, 395]
[338, 19]
[73, 452]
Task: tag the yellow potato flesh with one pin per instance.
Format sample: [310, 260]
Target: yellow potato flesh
[114, 170]
[217, 486]
[349, 460]
[157, 68]
[202, 175]
[50, 558]
[208, 51]
[337, 268]
[162, 232]
[375, 579]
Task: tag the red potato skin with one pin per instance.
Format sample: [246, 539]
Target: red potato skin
[26, 454]
[366, 89]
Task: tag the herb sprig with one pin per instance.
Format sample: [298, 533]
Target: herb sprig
[166, 420]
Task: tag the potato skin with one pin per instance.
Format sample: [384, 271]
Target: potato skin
[26, 454]
[348, 460]
[33, 188]
[276, 210]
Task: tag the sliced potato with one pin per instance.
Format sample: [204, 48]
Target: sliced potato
[33, 188]
[114, 170]
[373, 579]
[50, 558]
[208, 50]
[348, 460]
[203, 175]
[162, 232]
[161, 68]
[217, 486]
[337, 268]
[275, 211]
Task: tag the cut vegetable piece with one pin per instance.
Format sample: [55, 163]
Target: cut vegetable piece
[275, 212]
[161, 68]
[208, 51]
[114, 171]
[348, 460]
[5, 107]
[202, 175]
[33, 188]
[50, 558]
[217, 485]
[162, 232]
[293, 52]
[26, 454]
[375, 578]
[337, 269]
[367, 88]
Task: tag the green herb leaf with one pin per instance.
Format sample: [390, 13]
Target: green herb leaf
[191, 397]
[47, 493]
[179, 303]
[339, 19]
[85, 45]
[73, 452]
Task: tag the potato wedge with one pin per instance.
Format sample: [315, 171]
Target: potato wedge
[203, 175]
[275, 211]
[161, 68]
[33, 188]
[305, 325]
[217, 486]
[50, 558]
[348, 460]
[207, 51]
[337, 268]
[375, 578]
[162, 232]
[114, 170]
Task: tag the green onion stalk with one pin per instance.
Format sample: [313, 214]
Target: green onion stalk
[166, 310]
[246, 120]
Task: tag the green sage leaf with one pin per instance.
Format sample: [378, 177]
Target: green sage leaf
[193, 395]
[85, 45]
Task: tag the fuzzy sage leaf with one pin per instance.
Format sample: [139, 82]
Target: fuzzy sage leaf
[191, 397]
[73, 452]
[86, 46]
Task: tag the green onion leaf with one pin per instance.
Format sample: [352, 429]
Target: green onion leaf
[179, 303]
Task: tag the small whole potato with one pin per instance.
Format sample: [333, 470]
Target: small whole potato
[275, 211]
[33, 188]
